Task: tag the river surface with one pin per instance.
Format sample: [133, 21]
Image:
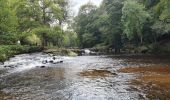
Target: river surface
[77, 78]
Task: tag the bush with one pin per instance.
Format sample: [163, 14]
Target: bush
[161, 49]
[7, 51]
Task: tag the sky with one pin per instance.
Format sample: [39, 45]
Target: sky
[78, 3]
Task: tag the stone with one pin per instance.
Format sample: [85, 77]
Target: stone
[10, 66]
[54, 58]
[61, 61]
[45, 62]
[1, 63]
[51, 61]
[42, 66]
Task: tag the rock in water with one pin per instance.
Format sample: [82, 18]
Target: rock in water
[42, 67]
[54, 58]
[51, 61]
[1, 63]
[61, 61]
[45, 62]
[10, 66]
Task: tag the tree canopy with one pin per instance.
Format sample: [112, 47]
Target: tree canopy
[114, 24]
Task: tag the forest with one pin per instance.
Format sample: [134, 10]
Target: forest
[125, 25]
[34, 22]
[130, 26]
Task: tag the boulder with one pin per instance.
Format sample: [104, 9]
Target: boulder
[1, 63]
[54, 58]
[51, 61]
[45, 62]
[42, 66]
[58, 62]
[61, 61]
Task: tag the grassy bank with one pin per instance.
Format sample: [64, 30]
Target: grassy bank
[7, 51]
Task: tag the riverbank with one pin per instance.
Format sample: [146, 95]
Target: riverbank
[7, 51]
[62, 51]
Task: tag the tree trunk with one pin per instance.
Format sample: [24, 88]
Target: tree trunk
[141, 40]
[155, 36]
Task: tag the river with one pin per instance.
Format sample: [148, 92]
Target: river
[76, 78]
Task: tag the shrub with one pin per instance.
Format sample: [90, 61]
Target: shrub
[7, 51]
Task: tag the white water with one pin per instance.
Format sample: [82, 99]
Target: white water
[26, 62]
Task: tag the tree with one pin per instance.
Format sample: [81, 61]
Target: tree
[83, 24]
[114, 11]
[133, 19]
[162, 23]
[38, 14]
[8, 23]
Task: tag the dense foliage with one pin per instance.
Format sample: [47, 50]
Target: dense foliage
[34, 22]
[7, 51]
[116, 24]
[122, 24]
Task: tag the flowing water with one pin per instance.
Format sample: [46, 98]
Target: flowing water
[77, 78]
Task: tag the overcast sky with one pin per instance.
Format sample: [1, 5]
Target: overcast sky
[78, 3]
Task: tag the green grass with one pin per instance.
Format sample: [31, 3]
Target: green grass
[7, 51]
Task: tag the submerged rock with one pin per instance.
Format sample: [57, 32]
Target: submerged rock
[61, 61]
[42, 66]
[58, 62]
[51, 61]
[97, 73]
[54, 58]
[10, 66]
[1, 63]
[45, 62]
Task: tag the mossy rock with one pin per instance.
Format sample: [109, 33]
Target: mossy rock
[73, 54]
[61, 52]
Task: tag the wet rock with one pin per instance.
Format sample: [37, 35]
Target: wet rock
[1, 63]
[42, 66]
[54, 58]
[61, 61]
[58, 62]
[45, 62]
[51, 61]
[141, 97]
[10, 66]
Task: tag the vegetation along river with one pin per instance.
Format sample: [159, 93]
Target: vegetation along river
[35, 77]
